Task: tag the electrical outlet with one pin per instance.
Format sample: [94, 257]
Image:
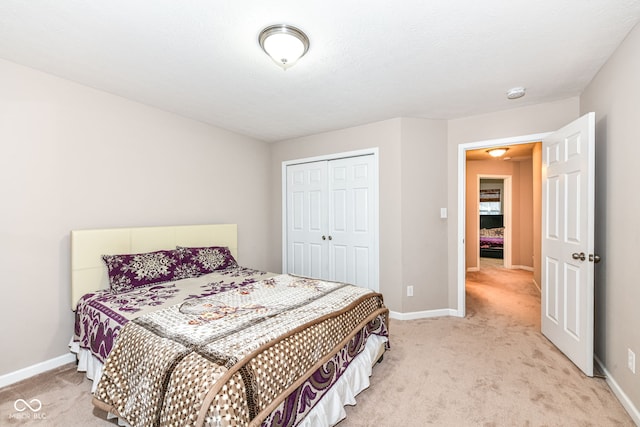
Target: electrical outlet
[631, 362]
[409, 291]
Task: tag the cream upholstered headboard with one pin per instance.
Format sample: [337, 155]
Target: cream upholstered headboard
[89, 272]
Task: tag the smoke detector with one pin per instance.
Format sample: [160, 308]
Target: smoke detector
[516, 92]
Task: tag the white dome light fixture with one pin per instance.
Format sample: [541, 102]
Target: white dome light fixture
[285, 44]
[516, 92]
[497, 152]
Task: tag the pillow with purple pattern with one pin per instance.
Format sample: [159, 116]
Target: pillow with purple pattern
[130, 271]
[199, 261]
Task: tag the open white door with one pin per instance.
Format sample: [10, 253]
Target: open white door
[568, 164]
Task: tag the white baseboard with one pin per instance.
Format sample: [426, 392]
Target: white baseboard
[423, 314]
[620, 394]
[513, 267]
[537, 285]
[522, 267]
[38, 368]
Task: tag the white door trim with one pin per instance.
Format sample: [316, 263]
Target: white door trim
[364, 152]
[462, 173]
[506, 215]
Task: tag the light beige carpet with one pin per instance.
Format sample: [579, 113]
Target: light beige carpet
[492, 368]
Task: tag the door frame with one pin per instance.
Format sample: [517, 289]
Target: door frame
[506, 215]
[462, 208]
[376, 202]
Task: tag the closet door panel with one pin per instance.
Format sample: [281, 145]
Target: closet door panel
[350, 217]
[362, 266]
[296, 256]
[317, 261]
[361, 210]
[306, 219]
[339, 266]
[340, 212]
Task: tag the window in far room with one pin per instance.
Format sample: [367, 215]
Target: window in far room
[491, 196]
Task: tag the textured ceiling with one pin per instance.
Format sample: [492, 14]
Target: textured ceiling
[369, 60]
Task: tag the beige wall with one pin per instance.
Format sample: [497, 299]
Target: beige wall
[525, 215]
[521, 208]
[614, 95]
[73, 157]
[410, 160]
[502, 124]
[424, 233]
[537, 213]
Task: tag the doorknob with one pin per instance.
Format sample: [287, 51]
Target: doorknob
[324, 237]
[594, 258]
[330, 238]
[581, 256]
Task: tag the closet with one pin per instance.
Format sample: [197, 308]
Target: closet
[330, 220]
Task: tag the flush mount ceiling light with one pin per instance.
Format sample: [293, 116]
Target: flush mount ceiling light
[497, 152]
[285, 44]
[516, 92]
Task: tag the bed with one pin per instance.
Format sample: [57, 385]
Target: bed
[221, 345]
[491, 236]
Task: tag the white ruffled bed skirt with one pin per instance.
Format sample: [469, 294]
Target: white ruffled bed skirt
[327, 412]
[330, 409]
[87, 362]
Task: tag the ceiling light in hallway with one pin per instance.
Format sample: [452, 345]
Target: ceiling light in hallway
[497, 152]
[516, 92]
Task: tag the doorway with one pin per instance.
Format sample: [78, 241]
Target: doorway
[493, 213]
[463, 203]
[567, 204]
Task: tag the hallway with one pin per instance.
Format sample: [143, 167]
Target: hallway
[501, 291]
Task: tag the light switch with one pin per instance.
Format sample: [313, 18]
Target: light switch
[443, 212]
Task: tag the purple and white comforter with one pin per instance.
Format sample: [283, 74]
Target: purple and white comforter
[101, 315]
[491, 242]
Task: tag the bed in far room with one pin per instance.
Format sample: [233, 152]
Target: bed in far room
[173, 331]
[491, 236]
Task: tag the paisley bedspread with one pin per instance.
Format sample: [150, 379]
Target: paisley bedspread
[237, 357]
[100, 315]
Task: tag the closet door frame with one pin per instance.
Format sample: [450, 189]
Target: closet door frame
[376, 203]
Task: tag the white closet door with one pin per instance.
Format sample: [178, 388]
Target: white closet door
[351, 221]
[307, 219]
[330, 217]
